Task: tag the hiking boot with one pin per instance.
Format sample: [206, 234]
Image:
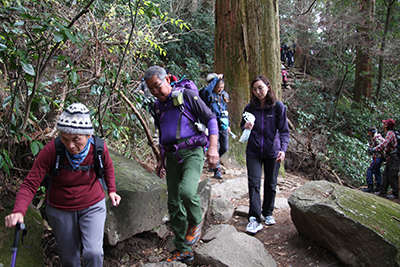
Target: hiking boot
[392, 197]
[377, 188]
[270, 220]
[193, 234]
[380, 194]
[184, 257]
[253, 226]
[217, 173]
[370, 189]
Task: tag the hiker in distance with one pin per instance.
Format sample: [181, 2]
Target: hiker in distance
[217, 99]
[267, 145]
[374, 168]
[75, 199]
[391, 170]
[182, 145]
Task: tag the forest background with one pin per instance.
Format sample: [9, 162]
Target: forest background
[54, 53]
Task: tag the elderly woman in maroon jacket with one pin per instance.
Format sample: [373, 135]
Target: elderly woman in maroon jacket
[267, 144]
[76, 207]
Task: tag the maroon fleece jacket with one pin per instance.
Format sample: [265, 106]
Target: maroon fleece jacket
[69, 191]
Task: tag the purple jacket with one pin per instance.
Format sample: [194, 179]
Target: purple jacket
[270, 133]
[172, 123]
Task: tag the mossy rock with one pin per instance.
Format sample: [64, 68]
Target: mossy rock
[361, 229]
[29, 254]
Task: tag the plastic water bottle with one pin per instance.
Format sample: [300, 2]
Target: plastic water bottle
[248, 117]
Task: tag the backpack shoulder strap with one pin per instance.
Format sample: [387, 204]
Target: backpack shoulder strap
[60, 153]
[186, 112]
[276, 111]
[98, 156]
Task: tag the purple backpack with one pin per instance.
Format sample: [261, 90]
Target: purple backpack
[185, 83]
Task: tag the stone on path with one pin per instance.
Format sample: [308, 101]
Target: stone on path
[233, 249]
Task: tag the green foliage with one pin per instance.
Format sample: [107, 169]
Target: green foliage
[348, 157]
[191, 53]
[52, 56]
[345, 134]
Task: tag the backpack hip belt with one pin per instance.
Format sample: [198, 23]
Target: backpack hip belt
[195, 141]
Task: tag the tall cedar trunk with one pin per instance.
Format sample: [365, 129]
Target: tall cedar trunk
[302, 55]
[389, 4]
[363, 75]
[246, 45]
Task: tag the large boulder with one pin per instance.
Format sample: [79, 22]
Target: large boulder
[30, 253]
[360, 229]
[144, 201]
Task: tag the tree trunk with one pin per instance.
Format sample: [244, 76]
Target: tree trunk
[363, 75]
[246, 45]
[302, 24]
[389, 4]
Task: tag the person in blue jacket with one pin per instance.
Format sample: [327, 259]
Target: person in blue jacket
[217, 99]
[267, 144]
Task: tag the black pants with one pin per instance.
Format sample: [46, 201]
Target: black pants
[391, 176]
[271, 171]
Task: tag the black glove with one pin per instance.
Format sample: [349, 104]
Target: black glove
[371, 150]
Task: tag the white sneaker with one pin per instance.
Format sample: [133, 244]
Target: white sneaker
[270, 220]
[253, 226]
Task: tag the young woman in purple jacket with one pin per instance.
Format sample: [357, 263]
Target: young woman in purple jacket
[267, 144]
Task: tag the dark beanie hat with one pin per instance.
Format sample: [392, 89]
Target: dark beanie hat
[75, 120]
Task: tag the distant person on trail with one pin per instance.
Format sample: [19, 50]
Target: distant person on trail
[285, 75]
[182, 145]
[391, 171]
[75, 198]
[217, 99]
[294, 47]
[267, 145]
[289, 56]
[283, 53]
[377, 159]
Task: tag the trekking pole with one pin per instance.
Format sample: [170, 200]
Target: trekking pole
[14, 248]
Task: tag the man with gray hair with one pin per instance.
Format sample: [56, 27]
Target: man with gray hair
[178, 112]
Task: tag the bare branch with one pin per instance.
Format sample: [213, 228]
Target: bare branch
[308, 10]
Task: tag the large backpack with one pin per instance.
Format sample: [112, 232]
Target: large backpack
[200, 139]
[397, 133]
[60, 154]
[185, 83]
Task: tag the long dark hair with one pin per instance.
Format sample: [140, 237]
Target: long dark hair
[270, 97]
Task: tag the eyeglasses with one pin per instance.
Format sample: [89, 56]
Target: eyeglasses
[158, 87]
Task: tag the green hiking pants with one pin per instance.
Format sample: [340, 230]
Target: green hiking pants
[184, 204]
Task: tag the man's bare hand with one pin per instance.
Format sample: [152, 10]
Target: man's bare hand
[160, 171]
[212, 152]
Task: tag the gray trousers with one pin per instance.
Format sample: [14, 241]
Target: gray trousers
[73, 229]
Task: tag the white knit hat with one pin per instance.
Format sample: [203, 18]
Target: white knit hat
[75, 120]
